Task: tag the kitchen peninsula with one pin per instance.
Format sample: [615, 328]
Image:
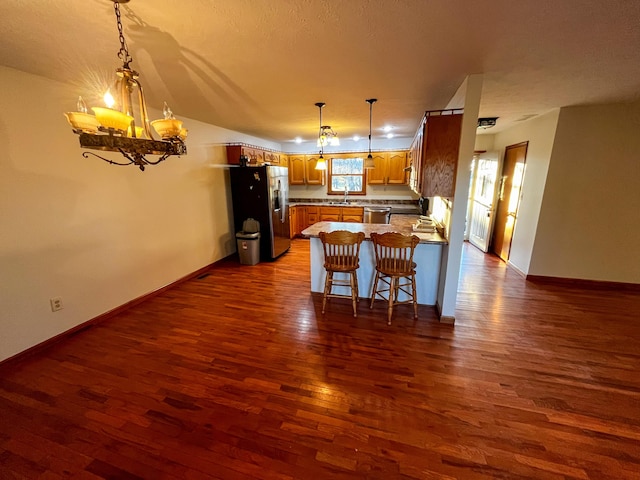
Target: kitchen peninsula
[427, 256]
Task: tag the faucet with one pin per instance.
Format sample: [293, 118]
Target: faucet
[346, 194]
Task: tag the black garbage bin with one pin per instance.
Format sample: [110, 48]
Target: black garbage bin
[248, 242]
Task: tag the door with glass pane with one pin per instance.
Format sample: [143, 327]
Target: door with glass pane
[482, 198]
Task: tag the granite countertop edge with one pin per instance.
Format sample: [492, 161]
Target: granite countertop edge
[407, 207]
[402, 224]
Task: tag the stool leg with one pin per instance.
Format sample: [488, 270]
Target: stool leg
[327, 289]
[375, 288]
[415, 296]
[392, 288]
[354, 289]
[355, 276]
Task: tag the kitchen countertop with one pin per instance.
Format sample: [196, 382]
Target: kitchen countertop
[399, 223]
[397, 207]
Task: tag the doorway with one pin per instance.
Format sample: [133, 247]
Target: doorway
[509, 192]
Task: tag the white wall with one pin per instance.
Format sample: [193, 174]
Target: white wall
[588, 226]
[539, 132]
[95, 234]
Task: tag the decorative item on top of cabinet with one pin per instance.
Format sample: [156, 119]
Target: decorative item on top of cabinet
[255, 155]
[390, 169]
[302, 170]
[272, 158]
[441, 144]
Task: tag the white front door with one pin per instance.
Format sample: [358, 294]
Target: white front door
[482, 199]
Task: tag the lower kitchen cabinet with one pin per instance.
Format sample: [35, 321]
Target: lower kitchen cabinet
[341, 214]
[294, 229]
[303, 216]
[330, 214]
[352, 214]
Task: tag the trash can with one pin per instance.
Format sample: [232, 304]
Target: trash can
[248, 241]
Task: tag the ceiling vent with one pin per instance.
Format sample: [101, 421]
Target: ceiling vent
[487, 122]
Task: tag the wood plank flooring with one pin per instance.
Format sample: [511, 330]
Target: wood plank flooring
[237, 375]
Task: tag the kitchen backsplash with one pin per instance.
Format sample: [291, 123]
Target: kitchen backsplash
[354, 199]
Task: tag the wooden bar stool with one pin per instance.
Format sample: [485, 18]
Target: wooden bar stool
[341, 254]
[395, 268]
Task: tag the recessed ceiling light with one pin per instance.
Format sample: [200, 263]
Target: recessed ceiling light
[389, 135]
[356, 138]
[388, 128]
[298, 140]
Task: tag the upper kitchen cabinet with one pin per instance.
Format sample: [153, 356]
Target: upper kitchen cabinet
[272, 158]
[302, 170]
[255, 155]
[415, 158]
[434, 153]
[390, 169]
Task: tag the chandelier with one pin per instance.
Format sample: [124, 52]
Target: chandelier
[116, 129]
[326, 136]
[369, 163]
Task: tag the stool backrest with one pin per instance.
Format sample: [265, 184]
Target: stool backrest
[341, 249]
[394, 252]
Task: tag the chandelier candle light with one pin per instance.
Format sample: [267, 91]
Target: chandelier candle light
[116, 129]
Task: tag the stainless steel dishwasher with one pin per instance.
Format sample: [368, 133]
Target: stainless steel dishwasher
[377, 214]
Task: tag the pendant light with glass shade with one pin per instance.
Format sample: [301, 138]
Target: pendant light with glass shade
[321, 164]
[369, 163]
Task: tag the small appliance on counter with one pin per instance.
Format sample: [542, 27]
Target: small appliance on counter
[423, 206]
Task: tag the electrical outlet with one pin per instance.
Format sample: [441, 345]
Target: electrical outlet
[56, 304]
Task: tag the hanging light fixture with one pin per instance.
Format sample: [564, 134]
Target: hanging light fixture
[326, 135]
[321, 164]
[369, 163]
[115, 128]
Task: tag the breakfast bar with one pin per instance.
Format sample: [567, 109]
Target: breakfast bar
[427, 255]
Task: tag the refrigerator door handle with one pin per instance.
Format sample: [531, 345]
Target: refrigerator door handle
[280, 202]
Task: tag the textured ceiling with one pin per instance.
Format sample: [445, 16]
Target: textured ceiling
[258, 66]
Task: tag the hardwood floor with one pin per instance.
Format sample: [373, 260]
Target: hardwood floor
[237, 375]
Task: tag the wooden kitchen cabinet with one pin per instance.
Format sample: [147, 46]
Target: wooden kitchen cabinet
[330, 214]
[352, 214]
[341, 214]
[294, 228]
[440, 147]
[302, 170]
[307, 216]
[389, 169]
[414, 158]
[256, 155]
[296, 170]
[272, 158]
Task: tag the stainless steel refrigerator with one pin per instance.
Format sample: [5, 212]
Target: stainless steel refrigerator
[262, 193]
